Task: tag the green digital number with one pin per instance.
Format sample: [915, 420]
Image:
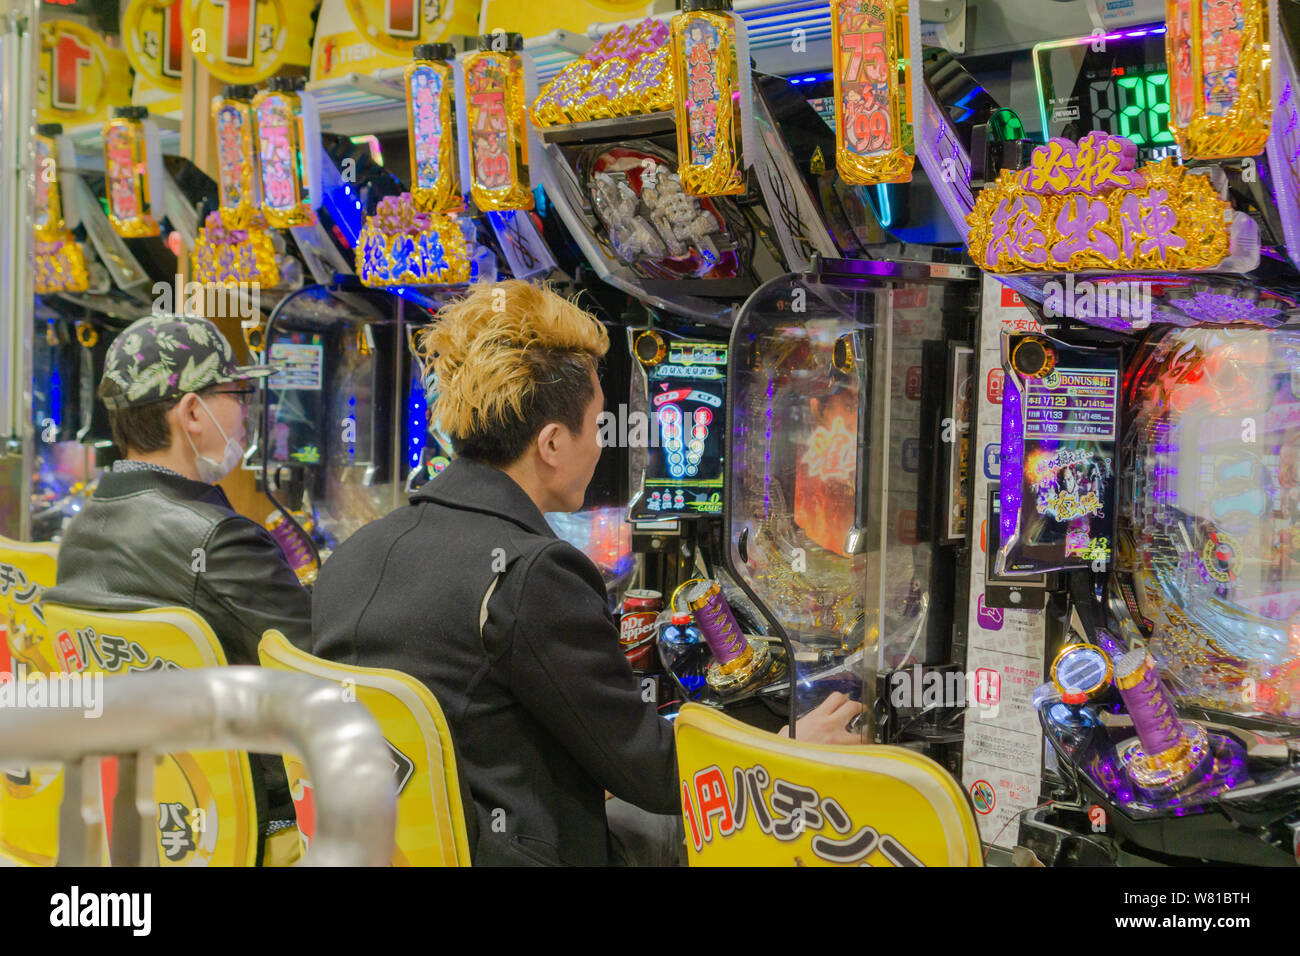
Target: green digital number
[1133, 111]
[1157, 85]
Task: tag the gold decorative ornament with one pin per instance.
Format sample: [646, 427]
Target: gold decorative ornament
[871, 59]
[1220, 87]
[126, 175]
[706, 88]
[399, 245]
[498, 126]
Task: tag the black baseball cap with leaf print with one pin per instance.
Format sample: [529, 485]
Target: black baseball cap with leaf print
[160, 357]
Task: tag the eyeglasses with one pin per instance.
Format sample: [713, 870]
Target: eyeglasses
[242, 395]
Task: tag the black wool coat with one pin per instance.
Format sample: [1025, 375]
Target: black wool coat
[470, 591]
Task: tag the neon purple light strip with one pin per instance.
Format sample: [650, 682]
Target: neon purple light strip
[1012, 455]
[1284, 143]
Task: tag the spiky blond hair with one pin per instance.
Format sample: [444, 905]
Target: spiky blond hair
[509, 358]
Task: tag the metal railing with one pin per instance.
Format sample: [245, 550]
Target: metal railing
[230, 708]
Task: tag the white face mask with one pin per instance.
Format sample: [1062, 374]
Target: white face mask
[211, 471]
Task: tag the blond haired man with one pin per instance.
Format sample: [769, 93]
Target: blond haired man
[471, 592]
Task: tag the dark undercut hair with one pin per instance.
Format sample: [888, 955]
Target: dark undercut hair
[561, 392]
[140, 428]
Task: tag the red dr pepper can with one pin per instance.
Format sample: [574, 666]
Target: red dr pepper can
[636, 626]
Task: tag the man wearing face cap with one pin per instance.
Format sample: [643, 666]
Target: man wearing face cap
[157, 532]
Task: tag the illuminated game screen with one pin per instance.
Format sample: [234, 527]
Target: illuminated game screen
[1212, 503]
[688, 412]
[1119, 86]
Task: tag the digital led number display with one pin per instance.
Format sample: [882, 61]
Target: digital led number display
[1119, 86]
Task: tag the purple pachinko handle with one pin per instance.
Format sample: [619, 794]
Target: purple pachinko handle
[296, 550]
[718, 624]
[1149, 704]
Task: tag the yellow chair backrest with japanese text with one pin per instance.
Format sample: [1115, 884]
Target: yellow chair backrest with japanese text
[29, 795]
[206, 810]
[751, 798]
[431, 828]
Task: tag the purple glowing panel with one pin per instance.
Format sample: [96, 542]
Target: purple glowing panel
[1284, 142]
[1012, 457]
[1149, 704]
[1223, 309]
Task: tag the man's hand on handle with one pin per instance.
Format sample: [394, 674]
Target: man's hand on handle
[828, 722]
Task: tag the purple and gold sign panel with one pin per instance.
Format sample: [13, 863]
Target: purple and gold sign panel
[224, 255]
[1083, 207]
[873, 110]
[401, 245]
[1220, 85]
[1060, 410]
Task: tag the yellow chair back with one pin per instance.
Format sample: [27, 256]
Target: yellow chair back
[750, 798]
[431, 828]
[206, 811]
[29, 795]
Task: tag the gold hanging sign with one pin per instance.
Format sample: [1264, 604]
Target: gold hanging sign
[873, 91]
[60, 265]
[431, 128]
[707, 91]
[239, 191]
[286, 200]
[1220, 88]
[126, 174]
[498, 125]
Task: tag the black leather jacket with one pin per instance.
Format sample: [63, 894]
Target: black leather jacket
[469, 590]
[149, 539]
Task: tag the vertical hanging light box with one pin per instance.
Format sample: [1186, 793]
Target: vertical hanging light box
[496, 110]
[232, 246]
[1220, 87]
[431, 125]
[709, 97]
[238, 185]
[870, 46]
[60, 265]
[286, 185]
[132, 168]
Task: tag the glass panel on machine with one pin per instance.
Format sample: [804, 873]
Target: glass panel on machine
[800, 381]
[1213, 510]
[333, 430]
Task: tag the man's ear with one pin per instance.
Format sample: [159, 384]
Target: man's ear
[547, 443]
[187, 414]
